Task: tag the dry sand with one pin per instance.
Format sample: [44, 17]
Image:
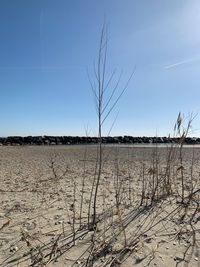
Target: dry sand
[37, 187]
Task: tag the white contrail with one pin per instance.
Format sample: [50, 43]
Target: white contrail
[181, 63]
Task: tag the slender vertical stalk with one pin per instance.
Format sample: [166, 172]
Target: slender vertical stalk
[105, 101]
[74, 213]
[83, 187]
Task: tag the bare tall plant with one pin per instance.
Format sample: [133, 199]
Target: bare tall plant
[106, 98]
[182, 132]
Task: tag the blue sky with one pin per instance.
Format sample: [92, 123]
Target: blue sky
[46, 47]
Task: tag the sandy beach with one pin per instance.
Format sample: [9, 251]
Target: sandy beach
[45, 197]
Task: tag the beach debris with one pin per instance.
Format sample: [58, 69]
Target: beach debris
[30, 225]
[139, 259]
[59, 222]
[5, 224]
[56, 217]
[177, 258]
[13, 248]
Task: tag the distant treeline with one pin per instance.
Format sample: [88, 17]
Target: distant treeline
[70, 140]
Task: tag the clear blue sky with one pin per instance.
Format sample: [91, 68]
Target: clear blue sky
[46, 47]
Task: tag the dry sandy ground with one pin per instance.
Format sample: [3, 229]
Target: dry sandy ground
[37, 189]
